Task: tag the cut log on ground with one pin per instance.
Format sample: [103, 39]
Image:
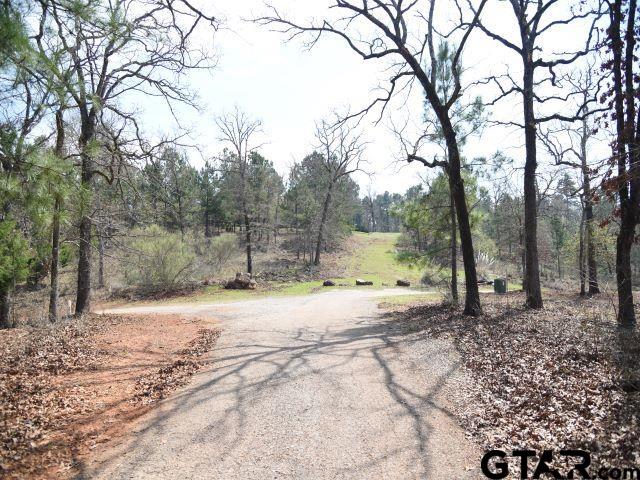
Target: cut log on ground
[243, 281]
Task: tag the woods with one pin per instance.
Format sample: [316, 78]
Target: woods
[95, 175]
[392, 206]
[533, 21]
[53, 73]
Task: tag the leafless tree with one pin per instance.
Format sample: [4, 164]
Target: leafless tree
[109, 51]
[623, 177]
[567, 143]
[534, 19]
[404, 34]
[369, 200]
[342, 154]
[239, 131]
[467, 119]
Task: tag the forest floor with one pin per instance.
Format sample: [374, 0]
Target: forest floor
[562, 377]
[68, 388]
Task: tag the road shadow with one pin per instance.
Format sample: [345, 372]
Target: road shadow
[297, 354]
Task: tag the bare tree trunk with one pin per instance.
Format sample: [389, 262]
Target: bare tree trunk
[532, 273]
[454, 246]
[373, 214]
[180, 216]
[472, 296]
[55, 227]
[83, 295]
[581, 255]
[590, 247]
[275, 227]
[207, 225]
[523, 256]
[592, 266]
[55, 256]
[247, 231]
[627, 183]
[100, 259]
[323, 219]
[626, 311]
[588, 232]
[559, 262]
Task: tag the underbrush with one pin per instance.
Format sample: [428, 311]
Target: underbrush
[136, 293]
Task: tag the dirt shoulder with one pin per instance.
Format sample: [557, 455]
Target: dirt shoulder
[67, 389]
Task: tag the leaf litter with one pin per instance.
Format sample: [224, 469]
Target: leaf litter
[563, 377]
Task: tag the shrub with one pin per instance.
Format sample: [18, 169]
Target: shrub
[66, 254]
[14, 255]
[158, 260]
[432, 275]
[220, 250]
[485, 264]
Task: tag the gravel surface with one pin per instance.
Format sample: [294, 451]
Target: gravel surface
[314, 387]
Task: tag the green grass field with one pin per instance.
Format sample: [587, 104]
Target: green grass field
[374, 260]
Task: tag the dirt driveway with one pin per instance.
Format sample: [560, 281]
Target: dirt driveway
[314, 387]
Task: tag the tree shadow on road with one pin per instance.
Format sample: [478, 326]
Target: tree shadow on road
[245, 370]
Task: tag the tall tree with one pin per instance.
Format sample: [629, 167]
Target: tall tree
[180, 183]
[25, 97]
[239, 132]
[533, 20]
[623, 180]
[467, 119]
[114, 49]
[569, 145]
[210, 198]
[388, 23]
[56, 221]
[342, 151]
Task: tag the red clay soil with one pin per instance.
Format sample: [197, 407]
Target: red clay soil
[117, 368]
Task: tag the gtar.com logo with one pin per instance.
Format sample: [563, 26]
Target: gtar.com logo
[532, 464]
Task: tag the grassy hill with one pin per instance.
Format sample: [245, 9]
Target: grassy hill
[374, 258]
[370, 256]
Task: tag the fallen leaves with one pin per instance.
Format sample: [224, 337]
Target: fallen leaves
[155, 386]
[544, 379]
[30, 408]
[38, 410]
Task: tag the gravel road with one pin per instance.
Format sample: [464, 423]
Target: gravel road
[310, 387]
